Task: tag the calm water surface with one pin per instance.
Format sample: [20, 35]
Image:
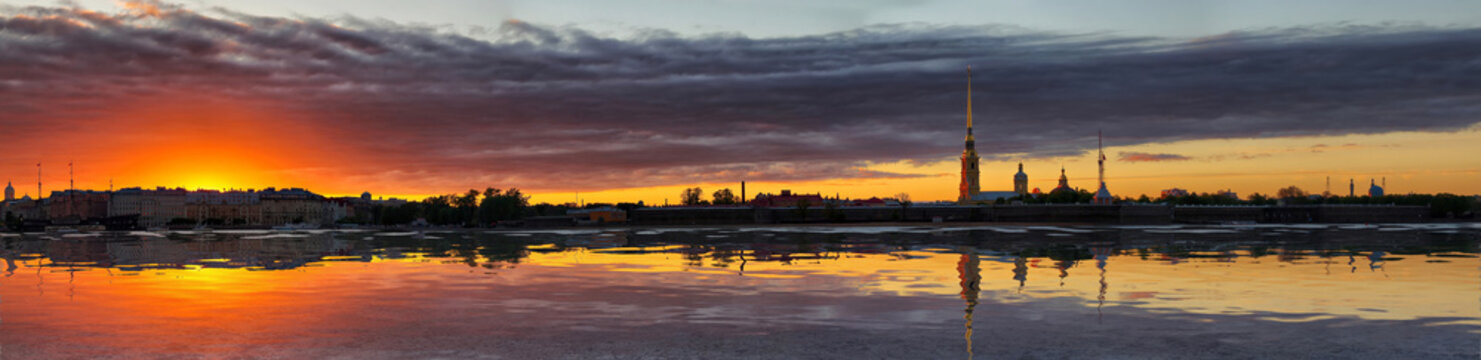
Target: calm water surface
[1356, 291]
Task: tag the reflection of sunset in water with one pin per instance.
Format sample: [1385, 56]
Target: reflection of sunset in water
[184, 297]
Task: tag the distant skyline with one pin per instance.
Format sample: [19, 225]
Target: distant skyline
[635, 101]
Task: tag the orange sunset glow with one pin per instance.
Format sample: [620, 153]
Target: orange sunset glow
[668, 179]
[236, 102]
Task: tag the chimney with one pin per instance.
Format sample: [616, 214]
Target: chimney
[743, 192]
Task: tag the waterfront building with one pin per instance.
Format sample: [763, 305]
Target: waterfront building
[787, 199]
[970, 190]
[967, 191]
[291, 206]
[1064, 183]
[1020, 181]
[154, 207]
[392, 202]
[599, 215]
[232, 207]
[338, 208]
[25, 208]
[72, 206]
[1174, 192]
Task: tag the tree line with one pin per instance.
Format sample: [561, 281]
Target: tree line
[695, 197]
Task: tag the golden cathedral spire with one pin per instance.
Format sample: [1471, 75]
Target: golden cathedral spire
[970, 174]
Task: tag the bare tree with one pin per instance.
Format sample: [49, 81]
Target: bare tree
[1291, 192]
[691, 196]
[724, 197]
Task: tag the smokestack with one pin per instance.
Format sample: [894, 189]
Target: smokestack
[743, 192]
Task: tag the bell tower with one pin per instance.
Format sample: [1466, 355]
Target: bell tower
[970, 173]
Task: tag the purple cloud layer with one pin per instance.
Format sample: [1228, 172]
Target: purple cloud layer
[559, 107]
[1148, 157]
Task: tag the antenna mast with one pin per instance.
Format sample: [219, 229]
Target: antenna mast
[1101, 146]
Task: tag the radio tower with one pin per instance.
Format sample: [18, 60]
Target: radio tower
[71, 191]
[1102, 196]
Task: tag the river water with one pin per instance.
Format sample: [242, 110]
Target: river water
[938, 292]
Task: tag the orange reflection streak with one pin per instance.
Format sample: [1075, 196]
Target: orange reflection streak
[234, 311]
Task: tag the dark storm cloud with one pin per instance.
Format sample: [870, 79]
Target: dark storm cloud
[1147, 157]
[562, 107]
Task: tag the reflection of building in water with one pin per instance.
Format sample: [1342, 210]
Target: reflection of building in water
[153, 253]
[970, 272]
[1020, 271]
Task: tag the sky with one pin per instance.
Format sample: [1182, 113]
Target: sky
[602, 101]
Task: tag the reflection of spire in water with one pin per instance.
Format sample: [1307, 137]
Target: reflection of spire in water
[39, 279]
[71, 282]
[1020, 271]
[9, 265]
[1101, 254]
[742, 257]
[1327, 261]
[1064, 269]
[1375, 261]
[970, 272]
[1350, 262]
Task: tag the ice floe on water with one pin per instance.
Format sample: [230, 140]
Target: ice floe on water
[830, 229]
[403, 233]
[1006, 230]
[1060, 229]
[1397, 229]
[243, 232]
[1194, 231]
[275, 236]
[80, 235]
[552, 232]
[1146, 227]
[669, 230]
[145, 233]
[1357, 227]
